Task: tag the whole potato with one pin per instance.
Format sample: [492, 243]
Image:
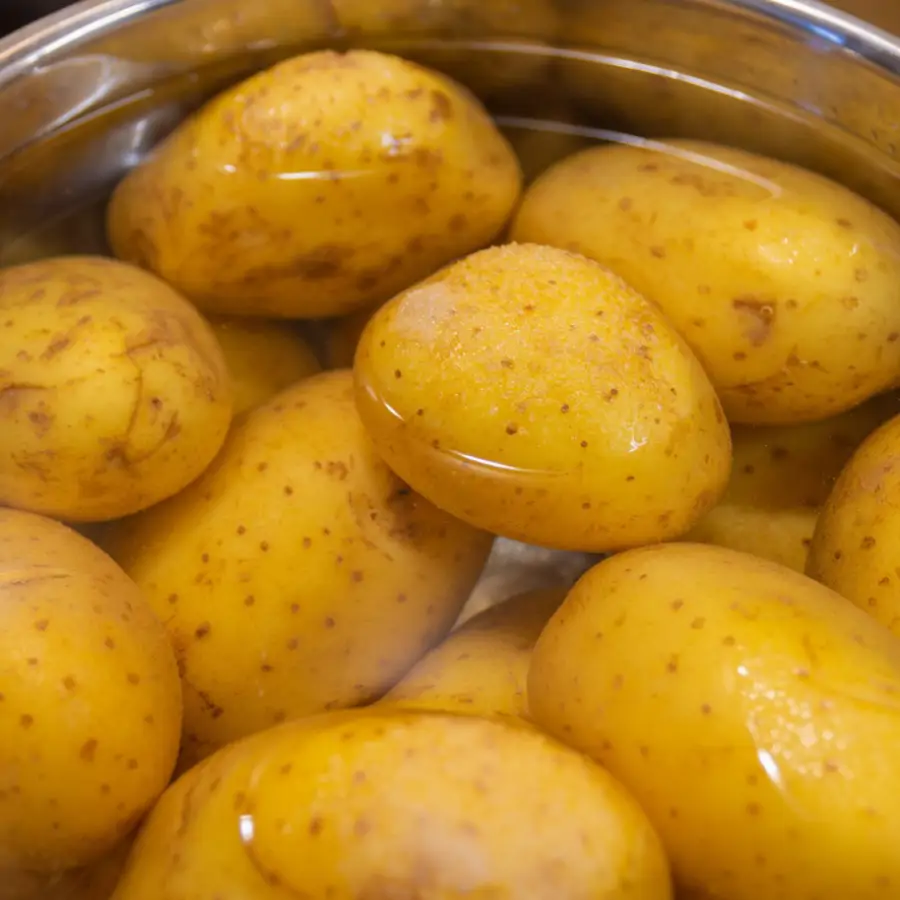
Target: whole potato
[532, 393]
[320, 186]
[299, 573]
[113, 391]
[752, 712]
[482, 667]
[782, 281]
[90, 703]
[397, 805]
[782, 474]
[262, 358]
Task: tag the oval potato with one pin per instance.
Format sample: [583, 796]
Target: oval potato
[752, 713]
[782, 281]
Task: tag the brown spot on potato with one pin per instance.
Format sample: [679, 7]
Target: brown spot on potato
[441, 107]
[315, 826]
[26, 721]
[202, 631]
[41, 624]
[756, 316]
[133, 678]
[751, 224]
[658, 252]
[88, 750]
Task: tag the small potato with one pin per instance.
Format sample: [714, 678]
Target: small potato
[387, 804]
[782, 474]
[782, 281]
[323, 185]
[90, 703]
[298, 574]
[532, 393]
[262, 358]
[753, 713]
[481, 669]
[113, 391]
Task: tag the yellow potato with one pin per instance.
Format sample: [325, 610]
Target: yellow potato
[113, 391]
[482, 667]
[342, 338]
[318, 187]
[262, 358]
[782, 281]
[90, 704]
[857, 538]
[298, 574]
[397, 805]
[782, 474]
[753, 713]
[532, 393]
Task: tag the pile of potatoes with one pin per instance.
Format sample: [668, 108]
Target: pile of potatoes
[253, 464]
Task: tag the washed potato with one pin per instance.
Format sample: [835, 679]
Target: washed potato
[482, 667]
[782, 281]
[753, 714]
[532, 393]
[392, 804]
[299, 573]
[113, 391]
[782, 474]
[90, 704]
[320, 186]
[342, 337]
[262, 358]
[856, 545]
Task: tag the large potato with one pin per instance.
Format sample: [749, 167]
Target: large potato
[753, 713]
[113, 391]
[397, 805]
[90, 704]
[532, 393]
[782, 474]
[298, 574]
[782, 281]
[320, 186]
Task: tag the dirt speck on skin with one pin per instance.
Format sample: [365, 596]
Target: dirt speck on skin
[757, 318]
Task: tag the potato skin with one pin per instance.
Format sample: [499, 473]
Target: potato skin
[782, 281]
[90, 702]
[532, 393]
[752, 712]
[298, 574]
[113, 391]
[390, 804]
[408, 171]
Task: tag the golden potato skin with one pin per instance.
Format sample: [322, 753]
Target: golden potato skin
[781, 477]
[113, 391]
[90, 703]
[532, 393]
[320, 186]
[298, 574]
[262, 358]
[396, 804]
[482, 667]
[782, 281]
[752, 712]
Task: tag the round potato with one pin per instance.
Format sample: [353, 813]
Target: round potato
[320, 186]
[782, 281]
[482, 667]
[782, 474]
[753, 713]
[298, 574]
[262, 358]
[90, 703]
[392, 804]
[113, 391]
[532, 393]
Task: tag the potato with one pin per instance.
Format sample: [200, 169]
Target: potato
[856, 542]
[318, 187]
[482, 667]
[90, 703]
[298, 574]
[342, 337]
[113, 391]
[391, 804]
[752, 712]
[532, 393]
[262, 358]
[782, 475]
[782, 281]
